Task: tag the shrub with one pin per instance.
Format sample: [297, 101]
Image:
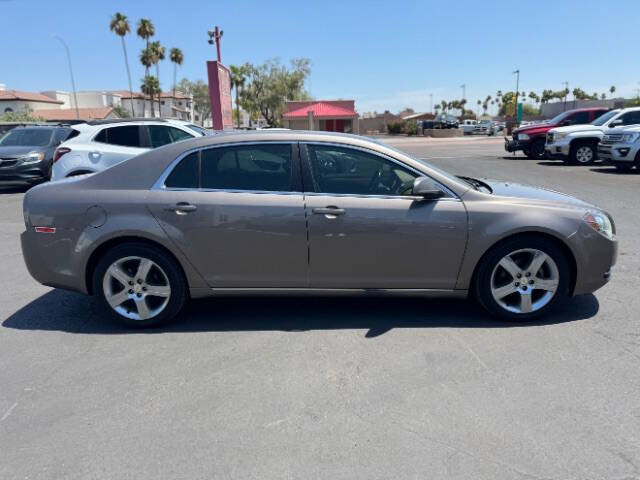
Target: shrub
[411, 127]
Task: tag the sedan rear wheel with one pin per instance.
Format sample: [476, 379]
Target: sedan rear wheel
[522, 278]
[139, 285]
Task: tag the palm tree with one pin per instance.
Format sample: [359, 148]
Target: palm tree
[612, 90]
[150, 87]
[238, 77]
[146, 59]
[157, 55]
[120, 26]
[145, 31]
[176, 57]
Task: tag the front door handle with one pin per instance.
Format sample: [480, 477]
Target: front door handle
[330, 211]
[182, 208]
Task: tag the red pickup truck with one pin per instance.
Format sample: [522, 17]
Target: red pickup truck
[531, 139]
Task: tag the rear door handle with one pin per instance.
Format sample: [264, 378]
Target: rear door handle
[330, 210]
[182, 208]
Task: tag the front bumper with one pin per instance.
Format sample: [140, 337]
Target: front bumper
[558, 151]
[515, 145]
[596, 256]
[618, 153]
[13, 172]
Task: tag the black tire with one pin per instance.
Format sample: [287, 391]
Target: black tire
[171, 269]
[579, 147]
[482, 281]
[623, 168]
[537, 150]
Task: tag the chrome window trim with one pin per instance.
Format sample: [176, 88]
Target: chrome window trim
[444, 188]
[160, 183]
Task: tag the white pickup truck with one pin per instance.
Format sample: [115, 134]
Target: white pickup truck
[578, 144]
[467, 126]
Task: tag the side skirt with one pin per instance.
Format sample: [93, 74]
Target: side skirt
[373, 292]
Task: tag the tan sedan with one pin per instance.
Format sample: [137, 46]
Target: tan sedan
[308, 213]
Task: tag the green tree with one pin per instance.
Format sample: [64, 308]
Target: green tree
[200, 92]
[151, 87]
[238, 77]
[157, 55]
[145, 31]
[146, 59]
[121, 111]
[271, 84]
[176, 57]
[25, 115]
[120, 26]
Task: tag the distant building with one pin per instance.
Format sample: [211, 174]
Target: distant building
[70, 114]
[323, 115]
[378, 123]
[17, 101]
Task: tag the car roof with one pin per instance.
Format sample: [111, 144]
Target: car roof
[126, 120]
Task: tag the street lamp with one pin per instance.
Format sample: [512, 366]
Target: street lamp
[517, 74]
[464, 93]
[73, 83]
[214, 37]
[566, 92]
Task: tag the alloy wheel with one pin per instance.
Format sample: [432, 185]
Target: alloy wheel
[136, 288]
[584, 154]
[524, 281]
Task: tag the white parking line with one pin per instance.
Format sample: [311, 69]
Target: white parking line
[8, 412]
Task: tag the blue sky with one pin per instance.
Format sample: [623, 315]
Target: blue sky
[385, 54]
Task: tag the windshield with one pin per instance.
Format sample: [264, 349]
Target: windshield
[27, 137]
[602, 119]
[558, 118]
[198, 129]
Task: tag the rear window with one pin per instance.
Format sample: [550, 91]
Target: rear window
[186, 174]
[126, 136]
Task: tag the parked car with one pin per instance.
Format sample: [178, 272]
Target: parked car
[467, 126]
[578, 144]
[26, 153]
[485, 127]
[532, 138]
[104, 143]
[621, 147]
[308, 213]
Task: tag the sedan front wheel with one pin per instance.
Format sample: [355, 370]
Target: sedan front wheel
[523, 278]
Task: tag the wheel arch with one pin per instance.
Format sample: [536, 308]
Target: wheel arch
[114, 242]
[571, 259]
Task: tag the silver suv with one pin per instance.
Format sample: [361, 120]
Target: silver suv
[621, 147]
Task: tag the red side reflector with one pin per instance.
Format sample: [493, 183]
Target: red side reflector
[45, 230]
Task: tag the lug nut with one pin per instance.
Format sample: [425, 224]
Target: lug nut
[528, 274]
[517, 284]
[519, 275]
[139, 280]
[144, 289]
[524, 287]
[130, 282]
[138, 294]
[130, 292]
[530, 282]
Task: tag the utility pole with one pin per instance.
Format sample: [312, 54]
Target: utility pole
[566, 92]
[464, 92]
[517, 73]
[215, 36]
[73, 83]
[431, 103]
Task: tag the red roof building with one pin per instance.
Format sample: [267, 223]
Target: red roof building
[323, 115]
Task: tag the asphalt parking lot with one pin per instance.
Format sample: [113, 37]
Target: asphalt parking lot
[331, 388]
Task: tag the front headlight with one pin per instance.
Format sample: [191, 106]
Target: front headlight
[600, 222]
[559, 136]
[523, 136]
[33, 157]
[630, 137]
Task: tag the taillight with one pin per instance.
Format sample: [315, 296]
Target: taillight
[60, 151]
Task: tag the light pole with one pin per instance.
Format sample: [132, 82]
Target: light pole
[517, 74]
[73, 83]
[464, 93]
[431, 103]
[566, 92]
[214, 37]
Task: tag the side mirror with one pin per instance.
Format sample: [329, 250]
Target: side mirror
[426, 188]
[615, 123]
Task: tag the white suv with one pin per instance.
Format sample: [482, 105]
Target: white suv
[104, 143]
[578, 144]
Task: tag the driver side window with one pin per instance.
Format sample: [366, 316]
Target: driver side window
[350, 171]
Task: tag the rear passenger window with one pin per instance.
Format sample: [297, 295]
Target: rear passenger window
[126, 136]
[162, 135]
[255, 167]
[631, 118]
[185, 174]
[580, 118]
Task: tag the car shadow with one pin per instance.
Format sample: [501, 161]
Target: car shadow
[560, 163]
[14, 189]
[609, 170]
[74, 313]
